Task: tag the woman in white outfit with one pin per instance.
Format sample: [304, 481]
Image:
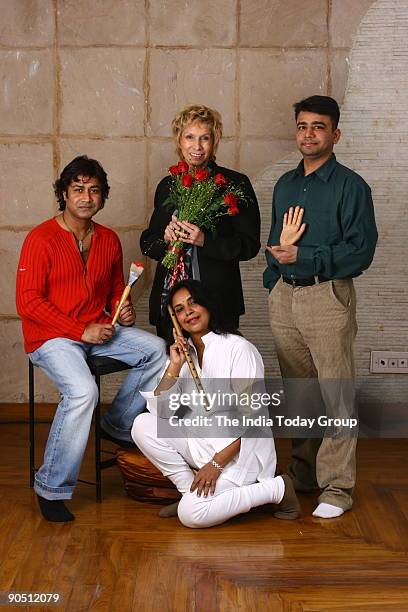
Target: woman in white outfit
[218, 477]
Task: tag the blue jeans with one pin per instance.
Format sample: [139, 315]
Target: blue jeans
[64, 361]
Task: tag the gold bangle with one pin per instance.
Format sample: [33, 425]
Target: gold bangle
[170, 375]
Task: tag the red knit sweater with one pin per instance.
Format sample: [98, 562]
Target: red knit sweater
[57, 294]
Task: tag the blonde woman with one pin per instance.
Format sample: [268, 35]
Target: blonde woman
[213, 259]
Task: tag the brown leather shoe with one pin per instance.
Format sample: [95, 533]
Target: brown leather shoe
[289, 507]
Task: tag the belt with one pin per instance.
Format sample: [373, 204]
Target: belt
[305, 282]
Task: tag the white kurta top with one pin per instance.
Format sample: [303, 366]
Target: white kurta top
[236, 361]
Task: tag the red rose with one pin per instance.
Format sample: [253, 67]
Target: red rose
[186, 180]
[174, 170]
[220, 180]
[233, 210]
[231, 200]
[201, 174]
[182, 166]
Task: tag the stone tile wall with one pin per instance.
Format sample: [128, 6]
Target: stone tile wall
[105, 78]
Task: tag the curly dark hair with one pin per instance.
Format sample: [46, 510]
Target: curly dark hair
[203, 296]
[80, 166]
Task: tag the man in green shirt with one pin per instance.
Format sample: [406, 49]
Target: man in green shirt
[312, 303]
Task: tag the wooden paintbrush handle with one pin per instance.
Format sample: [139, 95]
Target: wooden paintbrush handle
[123, 299]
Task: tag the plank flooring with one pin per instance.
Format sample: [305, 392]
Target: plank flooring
[119, 556]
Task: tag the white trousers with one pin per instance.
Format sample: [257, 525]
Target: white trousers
[173, 458]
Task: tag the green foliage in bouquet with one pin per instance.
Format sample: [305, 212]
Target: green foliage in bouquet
[200, 198]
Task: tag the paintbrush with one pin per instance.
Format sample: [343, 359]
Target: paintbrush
[135, 272]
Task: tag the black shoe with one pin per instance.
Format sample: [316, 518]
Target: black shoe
[122, 443]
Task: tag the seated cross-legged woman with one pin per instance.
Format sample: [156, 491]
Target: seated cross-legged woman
[218, 477]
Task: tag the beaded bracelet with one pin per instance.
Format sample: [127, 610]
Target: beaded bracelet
[216, 465]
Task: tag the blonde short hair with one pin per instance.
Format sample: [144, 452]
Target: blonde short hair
[197, 113]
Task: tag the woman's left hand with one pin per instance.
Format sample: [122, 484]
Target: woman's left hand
[190, 233]
[205, 480]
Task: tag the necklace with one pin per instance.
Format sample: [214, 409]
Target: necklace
[80, 242]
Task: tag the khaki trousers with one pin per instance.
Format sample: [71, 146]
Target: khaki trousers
[314, 330]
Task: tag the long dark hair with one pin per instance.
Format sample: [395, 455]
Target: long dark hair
[203, 296]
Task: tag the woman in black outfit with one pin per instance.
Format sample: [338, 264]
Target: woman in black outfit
[214, 258]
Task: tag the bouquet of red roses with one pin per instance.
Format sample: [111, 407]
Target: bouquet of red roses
[200, 198]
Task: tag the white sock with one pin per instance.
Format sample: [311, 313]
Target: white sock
[328, 511]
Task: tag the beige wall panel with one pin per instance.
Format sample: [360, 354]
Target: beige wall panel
[26, 93]
[185, 77]
[26, 194]
[345, 16]
[193, 23]
[271, 81]
[374, 144]
[131, 252]
[258, 154]
[339, 71]
[108, 96]
[105, 22]
[226, 155]
[295, 23]
[27, 22]
[124, 163]
[10, 248]
[102, 91]
[14, 370]
[162, 154]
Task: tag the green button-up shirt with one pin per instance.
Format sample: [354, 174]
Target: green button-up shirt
[340, 238]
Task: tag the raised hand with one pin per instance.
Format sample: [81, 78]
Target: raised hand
[293, 228]
[177, 356]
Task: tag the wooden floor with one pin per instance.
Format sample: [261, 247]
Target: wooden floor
[119, 556]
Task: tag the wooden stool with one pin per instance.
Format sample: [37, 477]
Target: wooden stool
[143, 481]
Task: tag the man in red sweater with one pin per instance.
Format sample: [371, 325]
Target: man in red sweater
[69, 282]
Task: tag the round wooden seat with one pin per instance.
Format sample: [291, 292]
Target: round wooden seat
[143, 481]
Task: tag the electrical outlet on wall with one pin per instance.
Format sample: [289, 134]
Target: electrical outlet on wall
[389, 362]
